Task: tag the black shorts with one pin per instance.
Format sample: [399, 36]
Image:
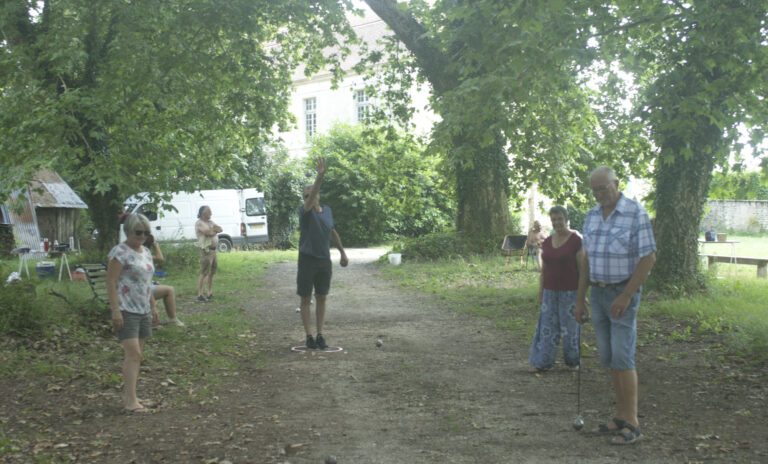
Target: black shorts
[313, 272]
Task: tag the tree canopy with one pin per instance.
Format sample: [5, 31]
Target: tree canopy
[563, 86]
[515, 74]
[702, 68]
[140, 95]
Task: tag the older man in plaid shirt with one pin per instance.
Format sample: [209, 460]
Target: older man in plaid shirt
[620, 252]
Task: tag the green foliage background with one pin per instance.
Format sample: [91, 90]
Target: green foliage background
[283, 197]
[123, 97]
[380, 184]
[739, 185]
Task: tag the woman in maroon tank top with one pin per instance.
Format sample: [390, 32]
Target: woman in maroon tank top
[562, 262]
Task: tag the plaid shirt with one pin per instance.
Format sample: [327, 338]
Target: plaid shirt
[615, 245]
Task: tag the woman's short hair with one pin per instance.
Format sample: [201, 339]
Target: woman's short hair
[200, 211]
[557, 209]
[134, 220]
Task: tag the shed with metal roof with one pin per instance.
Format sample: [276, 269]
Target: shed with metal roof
[56, 205]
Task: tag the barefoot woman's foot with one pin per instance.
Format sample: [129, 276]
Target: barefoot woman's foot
[148, 403]
[139, 410]
[135, 408]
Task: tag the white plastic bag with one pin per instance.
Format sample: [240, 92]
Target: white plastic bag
[13, 276]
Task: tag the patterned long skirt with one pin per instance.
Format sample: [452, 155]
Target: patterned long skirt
[556, 321]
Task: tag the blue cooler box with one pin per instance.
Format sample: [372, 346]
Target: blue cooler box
[46, 269]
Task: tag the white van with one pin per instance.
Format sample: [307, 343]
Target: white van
[241, 213]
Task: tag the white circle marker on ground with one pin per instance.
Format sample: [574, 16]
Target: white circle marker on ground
[330, 349]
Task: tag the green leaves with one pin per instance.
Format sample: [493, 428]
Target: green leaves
[122, 97]
[380, 183]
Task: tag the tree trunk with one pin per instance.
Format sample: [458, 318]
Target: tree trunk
[482, 181]
[104, 209]
[481, 190]
[681, 194]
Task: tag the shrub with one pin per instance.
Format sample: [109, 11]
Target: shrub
[514, 224]
[379, 184]
[440, 245]
[283, 199]
[7, 242]
[20, 311]
[180, 256]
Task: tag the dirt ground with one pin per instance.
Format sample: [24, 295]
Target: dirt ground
[444, 387]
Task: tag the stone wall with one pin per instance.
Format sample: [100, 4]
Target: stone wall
[738, 215]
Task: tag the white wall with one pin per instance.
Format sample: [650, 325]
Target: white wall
[340, 105]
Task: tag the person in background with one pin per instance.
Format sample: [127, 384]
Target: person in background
[129, 287]
[534, 241]
[562, 263]
[314, 268]
[207, 239]
[619, 253]
[163, 292]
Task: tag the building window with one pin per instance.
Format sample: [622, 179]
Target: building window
[361, 102]
[310, 117]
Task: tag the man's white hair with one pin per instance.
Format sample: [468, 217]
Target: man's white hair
[609, 173]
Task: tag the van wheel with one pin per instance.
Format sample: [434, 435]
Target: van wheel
[224, 246]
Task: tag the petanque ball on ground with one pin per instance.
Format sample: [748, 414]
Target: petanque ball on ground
[379, 342]
[330, 459]
[578, 423]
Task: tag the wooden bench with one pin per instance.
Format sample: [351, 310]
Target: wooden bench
[761, 263]
[97, 279]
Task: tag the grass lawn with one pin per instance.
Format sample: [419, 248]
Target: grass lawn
[64, 314]
[750, 246]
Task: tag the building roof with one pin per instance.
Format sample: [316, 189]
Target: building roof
[48, 190]
[24, 220]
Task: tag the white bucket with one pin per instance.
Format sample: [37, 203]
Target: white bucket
[394, 258]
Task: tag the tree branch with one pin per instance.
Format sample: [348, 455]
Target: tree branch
[432, 60]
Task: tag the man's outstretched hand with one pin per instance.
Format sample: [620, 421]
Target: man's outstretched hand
[321, 169]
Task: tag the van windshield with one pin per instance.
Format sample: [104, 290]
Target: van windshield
[148, 211]
[255, 207]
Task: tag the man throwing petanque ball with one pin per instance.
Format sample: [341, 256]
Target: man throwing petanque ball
[316, 233]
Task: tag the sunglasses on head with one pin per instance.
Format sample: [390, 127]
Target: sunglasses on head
[139, 233]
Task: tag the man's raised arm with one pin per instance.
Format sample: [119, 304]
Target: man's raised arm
[311, 199]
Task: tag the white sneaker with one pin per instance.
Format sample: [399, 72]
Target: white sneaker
[175, 321]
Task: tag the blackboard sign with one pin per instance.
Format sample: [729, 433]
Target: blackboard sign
[514, 242]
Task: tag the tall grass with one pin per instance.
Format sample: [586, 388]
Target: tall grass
[735, 306]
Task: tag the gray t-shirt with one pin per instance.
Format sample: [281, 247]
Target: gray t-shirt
[315, 232]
